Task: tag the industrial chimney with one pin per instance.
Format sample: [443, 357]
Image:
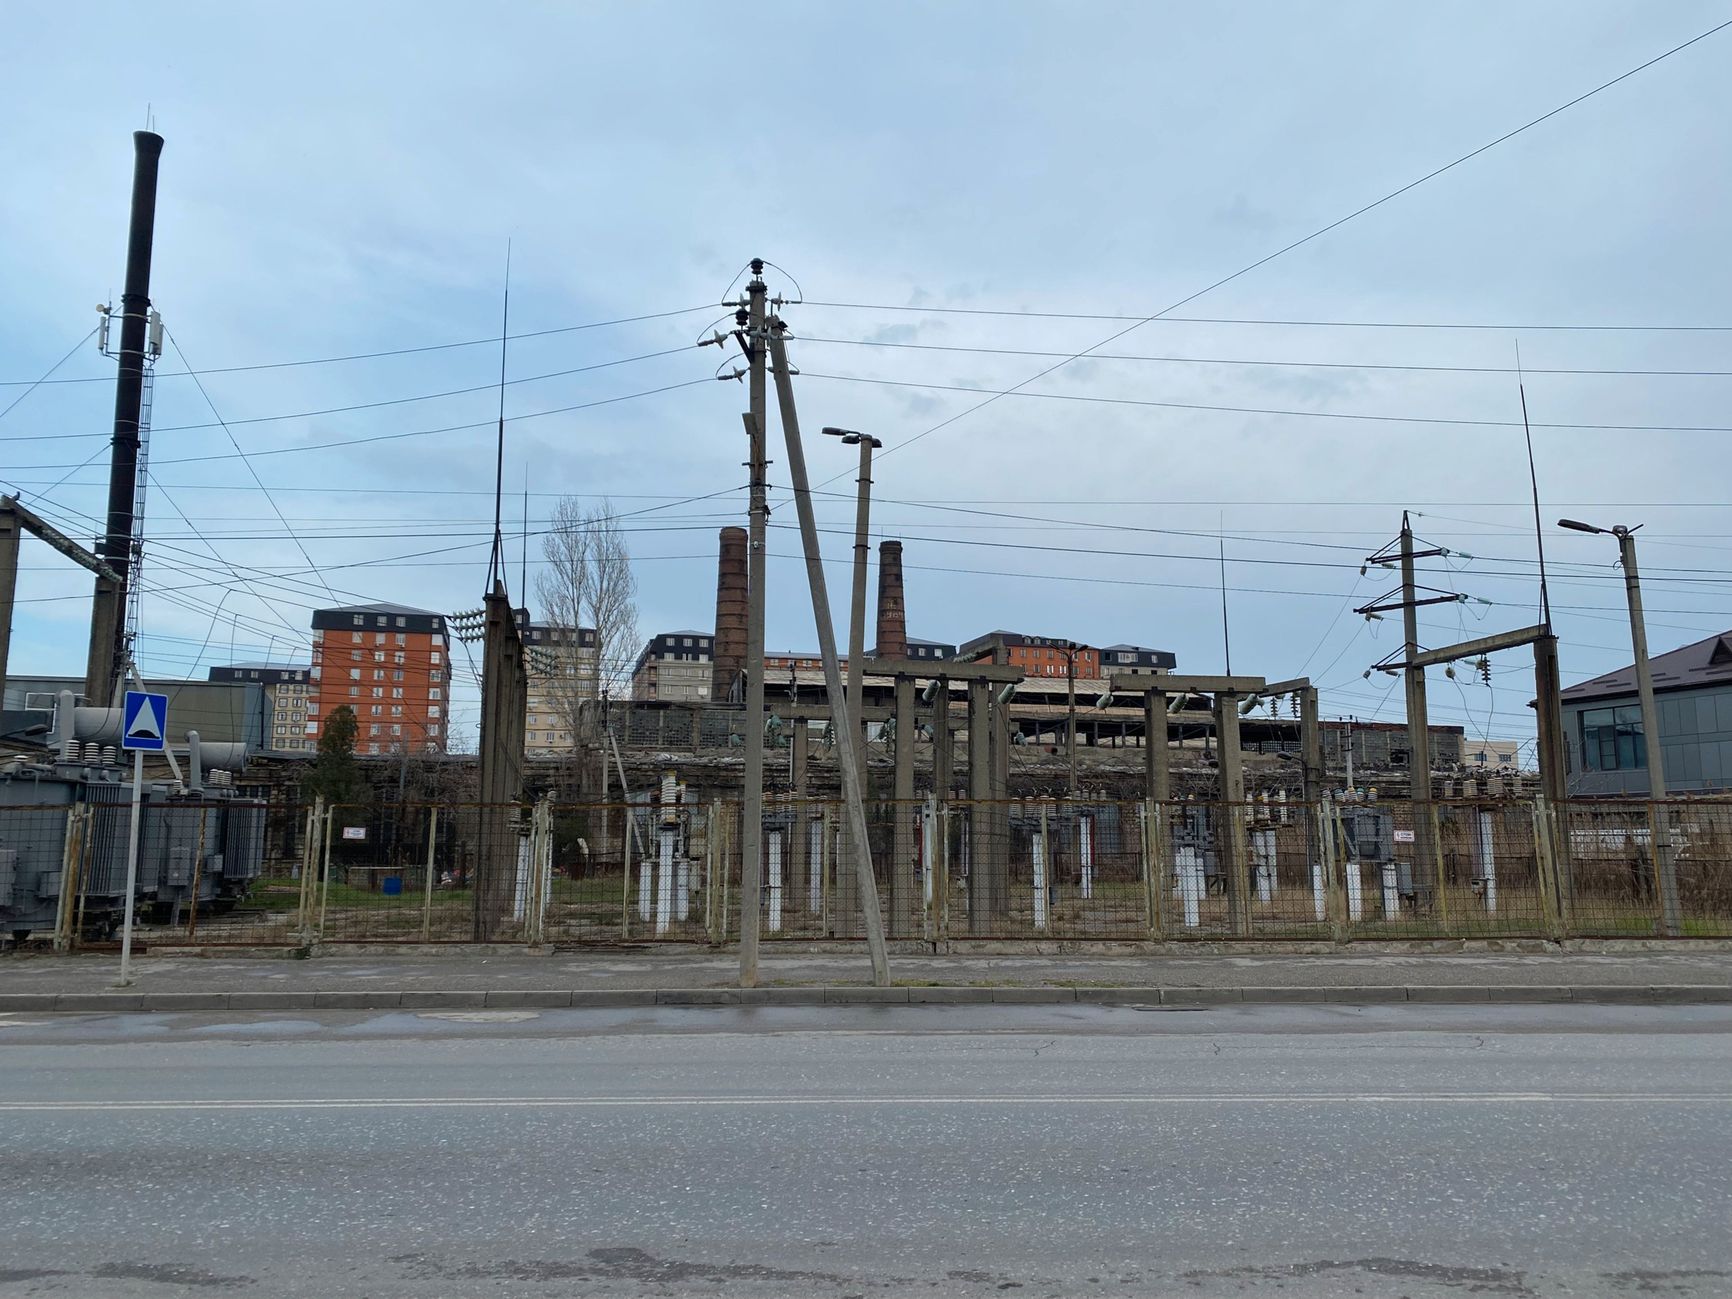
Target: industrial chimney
[892, 616]
[106, 627]
[728, 677]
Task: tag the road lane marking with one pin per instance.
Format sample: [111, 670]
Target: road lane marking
[822, 1102]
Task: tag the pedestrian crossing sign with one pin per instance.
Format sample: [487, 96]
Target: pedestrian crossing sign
[144, 721]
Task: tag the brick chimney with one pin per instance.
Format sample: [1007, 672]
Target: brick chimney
[729, 654]
[892, 615]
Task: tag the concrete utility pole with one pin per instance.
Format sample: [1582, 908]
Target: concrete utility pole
[857, 604]
[1426, 880]
[841, 707]
[752, 832]
[1671, 919]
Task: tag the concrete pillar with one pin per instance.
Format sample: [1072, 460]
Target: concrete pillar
[9, 533]
[904, 892]
[1230, 836]
[799, 750]
[983, 852]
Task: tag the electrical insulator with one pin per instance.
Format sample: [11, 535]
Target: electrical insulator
[1485, 669]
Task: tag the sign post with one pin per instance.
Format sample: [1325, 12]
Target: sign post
[144, 723]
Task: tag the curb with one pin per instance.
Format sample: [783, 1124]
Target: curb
[1188, 998]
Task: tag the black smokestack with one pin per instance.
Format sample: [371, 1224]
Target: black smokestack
[116, 543]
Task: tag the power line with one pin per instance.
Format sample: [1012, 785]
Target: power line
[1298, 243]
[259, 482]
[1019, 390]
[46, 374]
[1166, 319]
[1247, 361]
[370, 356]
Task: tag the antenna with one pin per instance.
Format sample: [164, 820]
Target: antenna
[1534, 482]
[523, 578]
[496, 561]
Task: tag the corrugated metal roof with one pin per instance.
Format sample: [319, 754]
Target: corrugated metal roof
[1707, 662]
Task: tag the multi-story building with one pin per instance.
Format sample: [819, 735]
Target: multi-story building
[674, 665]
[1603, 736]
[392, 665]
[562, 669]
[930, 651]
[1124, 659]
[1037, 656]
[798, 661]
[288, 689]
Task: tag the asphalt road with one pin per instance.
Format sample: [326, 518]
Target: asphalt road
[1400, 1151]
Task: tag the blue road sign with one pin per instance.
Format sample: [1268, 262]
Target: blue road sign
[144, 721]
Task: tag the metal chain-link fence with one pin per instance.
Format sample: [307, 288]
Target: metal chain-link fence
[667, 867]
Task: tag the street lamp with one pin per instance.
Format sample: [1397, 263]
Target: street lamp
[857, 606]
[1661, 818]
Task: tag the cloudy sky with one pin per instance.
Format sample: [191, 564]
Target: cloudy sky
[961, 196]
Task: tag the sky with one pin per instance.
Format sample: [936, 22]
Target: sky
[953, 199]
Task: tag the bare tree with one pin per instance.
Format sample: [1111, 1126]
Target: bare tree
[587, 586]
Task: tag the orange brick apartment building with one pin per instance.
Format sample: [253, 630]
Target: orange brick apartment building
[392, 665]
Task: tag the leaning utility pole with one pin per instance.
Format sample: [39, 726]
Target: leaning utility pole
[107, 625]
[841, 707]
[751, 334]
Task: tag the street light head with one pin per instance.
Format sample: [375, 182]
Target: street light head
[1575, 525]
[847, 435]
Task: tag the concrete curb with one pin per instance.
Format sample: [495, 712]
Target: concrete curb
[1186, 998]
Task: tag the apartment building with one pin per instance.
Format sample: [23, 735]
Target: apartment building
[675, 665]
[288, 691]
[390, 663]
[563, 665]
[1037, 656]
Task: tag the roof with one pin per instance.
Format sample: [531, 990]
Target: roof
[263, 667]
[1707, 662]
[383, 607]
[936, 644]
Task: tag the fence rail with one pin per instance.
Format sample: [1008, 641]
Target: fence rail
[1072, 870]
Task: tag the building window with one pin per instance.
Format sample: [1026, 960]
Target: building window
[378, 709]
[396, 730]
[397, 657]
[373, 729]
[433, 693]
[396, 692]
[432, 710]
[354, 692]
[378, 692]
[1612, 739]
[354, 674]
[359, 621]
[434, 658]
[401, 622]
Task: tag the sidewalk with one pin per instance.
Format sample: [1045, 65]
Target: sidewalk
[457, 977]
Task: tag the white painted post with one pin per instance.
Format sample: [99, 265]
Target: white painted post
[1488, 860]
[1263, 856]
[665, 880]
[1391, 898]
[1037, 851]
[1086, 851]
[775, 842]
[1319, 891]
[131, 867]
[645, 884]
[1190, 884]
[1355, 889]
[815, 865]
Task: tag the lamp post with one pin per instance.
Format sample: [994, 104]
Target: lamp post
[1670, 919]
[857, 602]
[857, 605]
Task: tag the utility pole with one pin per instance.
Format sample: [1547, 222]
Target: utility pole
[853, 786]
[1426, 871]
[1671, 918]
[857, 604]
[753, 339]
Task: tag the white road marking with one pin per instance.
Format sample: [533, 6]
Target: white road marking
[481, 1016]
[823, 1102]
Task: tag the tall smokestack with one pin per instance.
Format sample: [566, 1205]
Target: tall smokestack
[892, 616]
[730, 644]
[107, 629]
